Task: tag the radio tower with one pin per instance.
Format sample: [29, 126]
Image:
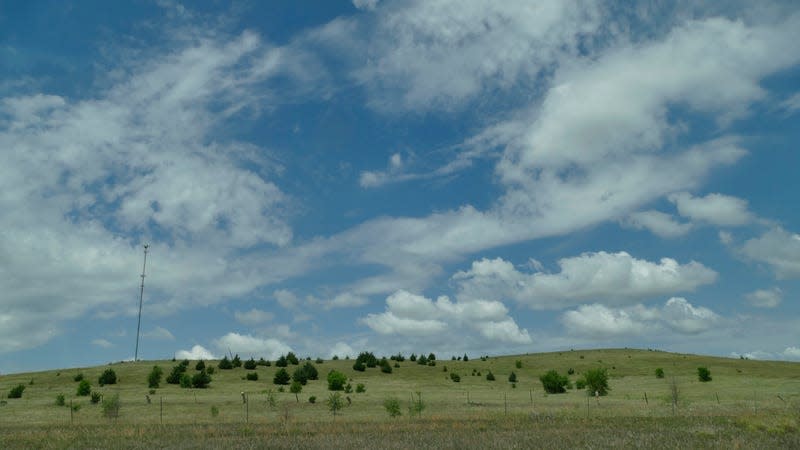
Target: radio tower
[141, 296]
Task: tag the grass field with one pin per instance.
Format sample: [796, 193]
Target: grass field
[747, 404]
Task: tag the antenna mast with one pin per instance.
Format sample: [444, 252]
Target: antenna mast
[141, 296]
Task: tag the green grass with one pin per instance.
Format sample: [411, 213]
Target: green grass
[747, 402]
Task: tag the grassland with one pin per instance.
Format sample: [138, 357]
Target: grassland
[747, 404]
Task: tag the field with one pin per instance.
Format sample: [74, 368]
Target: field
[747, 404]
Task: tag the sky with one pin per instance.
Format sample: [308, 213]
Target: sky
[450, 176]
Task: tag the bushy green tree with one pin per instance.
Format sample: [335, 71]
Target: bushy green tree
[311, 371]
[16, 391]
[186, 380]
[490, 376]
[336, 380]
[335, 403]
[236, 361]
[281, 362]
[252, 376]
[296, 388]
[554, 383]
[175, 376]
[455, 377]
[359, 366]
[392, 406]
[703, 374]
[201, 380]
[154, 377]
[201, 365]
[281, 377]
[659, 373]
[512, 377]
[292, 359]
[225, 363]
[84, 388]
[250, 364]
[596, 381]
[107, 377]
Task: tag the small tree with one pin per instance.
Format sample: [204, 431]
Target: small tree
[296, 388]
[490, 376]
[60, 400]
[186, 381]
[455, 377]
[107, 377]
[281, 377]
[250, 364]
[292, 359]
[201, 365]
[84, 388]
[392, 405]
[553, 383]
[78, 377]
[703, 374]
[336, 380]
[281, 362]
[252, 376]
[466, 358]
[512, 377]
[597, 381]
[417, 405]
[154, 377]
[16, 391]
[175, 376]
[225, 364]
[359, 366]
[360, 388]
[518, 364]
[236, 361]
[334, 403]
[111, 406]
[659, 373]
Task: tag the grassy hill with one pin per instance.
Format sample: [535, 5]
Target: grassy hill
[751, 396]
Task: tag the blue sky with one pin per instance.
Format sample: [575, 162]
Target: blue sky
[418, 176]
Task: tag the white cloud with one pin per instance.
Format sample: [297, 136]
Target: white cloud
[725, 237]
[716, 209]
[197, 352]
[365, 4]
[102, 343]
[659, 223]
[341, 350]
[253, 317]
[159, 333]
[268, 348]
[765, 298]
[346, 300]
[677, 314]
[792, 353]
[777, 248]
[615, 278]
[416, 317]
[286, 298]
[792, 103]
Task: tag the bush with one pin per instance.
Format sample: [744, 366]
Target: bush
[336, 380]
[210, 370]
[154, 377]
[96, 397]
[367, 359]
[224, 364]
[392, 405]
[597, 381]
[360, 388]
[252, 376]
[263, 362]
[348, 388]
[490, 376]
[60, 400]
[107, 377]
[512, 377]
[250, 364]
[553, 383]
[311, 371]
[422, 360]
[292, 359]
[281, 362]
[455, 377]
[318, 360]
[571, 371]
[412, 358]
[295, 389]
[78, 377]
[580, 383]
[16, 391]
[518, 364]
[186, 381]
[236, 361]
[201, 365]
[335, 402]
[111, 406]
[312, 399]
[359, 366]
[465, 358]
[386, 368]
[214, 411]
[659, 373]
[281, 377]
[703, 374]
[175, 376]
[84, 388]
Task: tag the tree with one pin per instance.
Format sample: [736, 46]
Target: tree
[84, 388]
[554, 383]
[311, 371]
[201, 380]
[236, 362]
[281, 377]
[392, 405]
[295, 389]
[250, 364]
[596, 381]
[154, 378]
[659, 373]
[359, 366]
[281, 362]
[336, 380]
[300, 376]
[225, 364]
[490, 376]
[292, 359]
[107, 377]
[431, 357]
[16, 391]
[177, 371]
[703, 374]
[466, 358]
[334, 403]
[512, 377]
[201, 365]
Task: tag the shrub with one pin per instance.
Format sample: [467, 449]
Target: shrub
[311, 371]
[16, 391]
[553, 383]
[96, 397]
[336, 380]
[490, 376]
[186, 380]
[111, 406]
[201, 365]
[281, 362]
[318, 360]
[60, 400]
[348, 388]
[312, 399]
[295, 389]
[703, 374]
[359, 366]
[84, 388]
[431, 363]
[152, 391]
[580, 383]
[263, 362]
[392, 406]
[386, 368]
[360, 388]
[210, 370]
[422, 360]
[512, 377]
[570, 371]
[597, 381]
[412, 358]
[292, 359]
[78, 377]
[335, 357]
[334, 403]
[154, 377]
[518, 364]
[659, 373]
[465, 358]
[225, 364]
[281, 377]
[252, 376]
[107, 377]
[455, 377]
[250, 364]
[175, 376]
[236, 361]
[214, 411]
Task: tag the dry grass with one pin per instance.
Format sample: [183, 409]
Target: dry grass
[747, 403]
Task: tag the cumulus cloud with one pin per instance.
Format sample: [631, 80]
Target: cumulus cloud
[197, 352]
[103, 343]
[602, 322]
[792, 353]
[415, 316]
[658, 223]
[615, 278]
[765, 298]
[346, 300]
[159, 333]
[246, 344]
[792, 103]
[253, 317]
[341, 350]
[778, 249]
[716, 209]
